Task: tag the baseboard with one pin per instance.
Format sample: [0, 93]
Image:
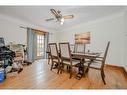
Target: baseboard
[114, 66]
[125, 69]
[125, 72]
[122, 69]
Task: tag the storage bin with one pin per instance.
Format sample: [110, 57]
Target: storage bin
[2, 75]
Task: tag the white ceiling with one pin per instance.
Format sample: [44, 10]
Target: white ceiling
[37, 14]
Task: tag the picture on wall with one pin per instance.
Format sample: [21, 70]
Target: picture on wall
[83, 38]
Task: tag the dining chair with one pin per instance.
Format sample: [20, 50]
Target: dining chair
[48, 54]
[99, 63]
[72, 47]
[80, 48]
[54, 55]
[66, 58]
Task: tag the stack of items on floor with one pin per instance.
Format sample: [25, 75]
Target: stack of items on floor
[19, 57]
[11, 59]
[2, 75]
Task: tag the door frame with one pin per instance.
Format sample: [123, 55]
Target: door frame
[35, 41]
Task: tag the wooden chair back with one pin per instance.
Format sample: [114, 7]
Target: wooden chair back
[80, 48]
[65, 51]
[105, 54]
[72, 47]
[53, 50]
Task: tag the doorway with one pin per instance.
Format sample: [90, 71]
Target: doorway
[39, 45]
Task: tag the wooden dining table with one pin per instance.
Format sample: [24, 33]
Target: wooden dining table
[82, 56]
[88, 55]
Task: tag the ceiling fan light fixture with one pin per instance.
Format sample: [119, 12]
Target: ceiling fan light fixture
[58, 16]
[61, 23]
[62, 20]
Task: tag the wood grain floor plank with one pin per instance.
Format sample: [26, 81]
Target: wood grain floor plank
[39, 76]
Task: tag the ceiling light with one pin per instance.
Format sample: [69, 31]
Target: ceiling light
[62, 20]
[61, 23]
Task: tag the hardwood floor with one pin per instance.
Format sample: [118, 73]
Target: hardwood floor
[39, 76]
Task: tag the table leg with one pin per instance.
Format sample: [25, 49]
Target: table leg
[87, 69]
[80, 70]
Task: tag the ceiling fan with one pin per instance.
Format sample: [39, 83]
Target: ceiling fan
[58, 16]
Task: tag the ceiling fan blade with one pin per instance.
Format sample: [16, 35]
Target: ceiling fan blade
[54, 12]
[49, 19]
[68, 16]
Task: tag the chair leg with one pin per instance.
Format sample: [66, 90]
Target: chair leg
[52, 66]
[61, 71]
[103, 76]
[103, 73]
[48, 60]
[87, 69]
[70, 72]
[68, 68]
[59, 68]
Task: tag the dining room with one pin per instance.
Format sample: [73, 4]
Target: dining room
[72, 47]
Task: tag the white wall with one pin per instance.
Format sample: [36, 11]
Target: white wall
[102, 31]
[125, 64]
[12, 32]
[53, 37]
[125, 61]
[125, 42]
